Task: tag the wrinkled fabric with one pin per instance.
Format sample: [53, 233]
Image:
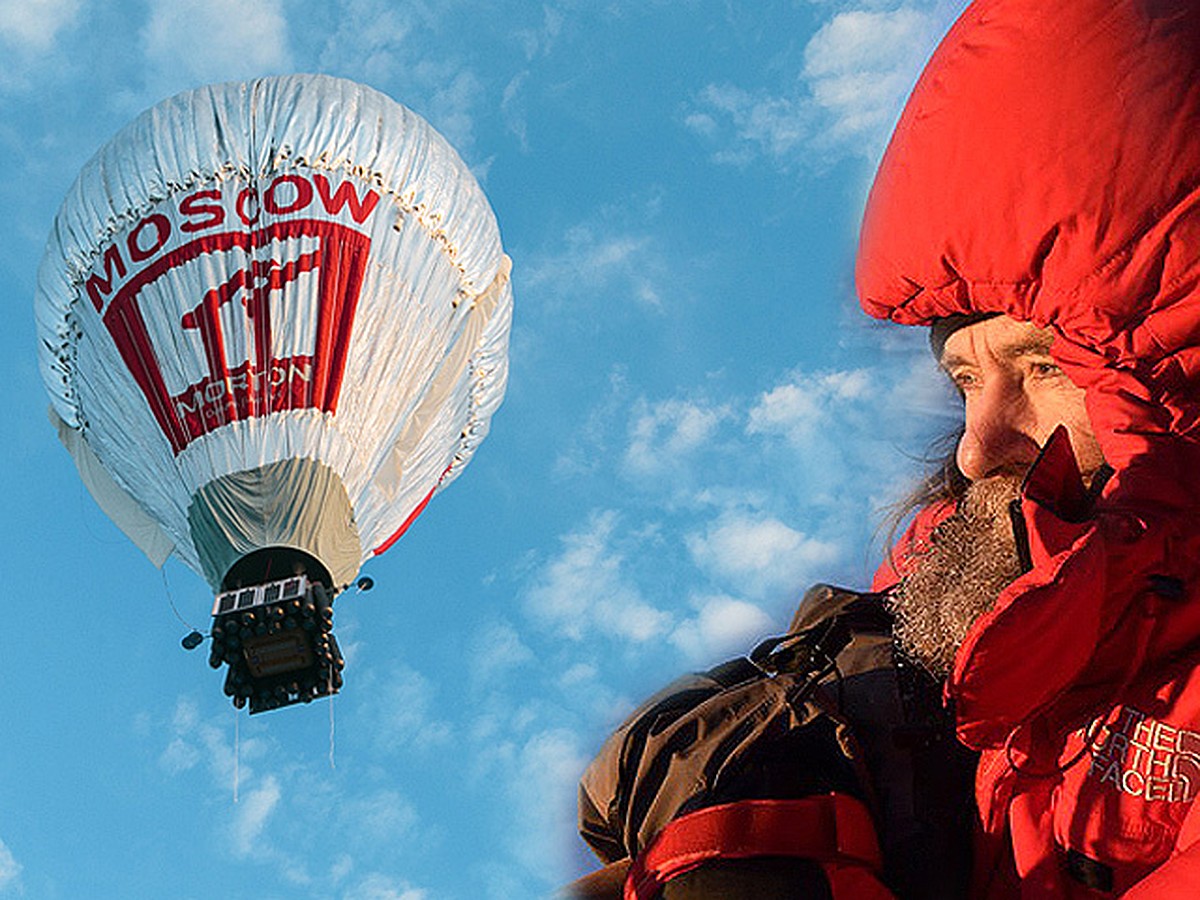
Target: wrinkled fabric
[1047, 167]
[297, 503]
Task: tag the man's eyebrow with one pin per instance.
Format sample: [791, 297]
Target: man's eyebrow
[1034, 345]
[952, 361]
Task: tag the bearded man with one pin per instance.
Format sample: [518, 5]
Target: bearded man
[1038, 208]
[1015, 396]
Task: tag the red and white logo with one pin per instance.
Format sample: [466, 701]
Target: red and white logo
[1144, 757]
[218, 325]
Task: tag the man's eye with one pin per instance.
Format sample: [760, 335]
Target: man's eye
[964, 381]
[1045, 370]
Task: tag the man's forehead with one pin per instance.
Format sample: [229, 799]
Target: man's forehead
[998, 336]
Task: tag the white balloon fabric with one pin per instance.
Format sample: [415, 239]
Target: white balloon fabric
[273, 314]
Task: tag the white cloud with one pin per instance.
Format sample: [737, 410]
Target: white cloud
[376, 49]
[722, 626]
[32, 39]
[341, 868]
[10, 869]
[379, 54]
[759, 557]
[584, 592]
[379, 887]
[587, 450]
[540, 41]
[402, 711]
[380, 816]
[856, 72]
[535, 41]
[924, 390]
[701, 123]
[498, 648]
[269, 809]
[576, 676]
[662, 432]
[771, 492]
[194, 741]
[543, 784]
[203, 41]
[600, 260]
[528, 758]
[403, 48]
[454, 94]
[861, 64]
[32, 25]
[795, 409]
[512, 105]
[250, 818]
[180, 756]
[762, 124]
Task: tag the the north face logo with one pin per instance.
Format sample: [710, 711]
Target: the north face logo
[1146, 758]
[203, 326]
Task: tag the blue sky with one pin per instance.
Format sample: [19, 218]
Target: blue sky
[699, 424]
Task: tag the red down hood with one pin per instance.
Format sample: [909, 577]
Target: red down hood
[1047, 167]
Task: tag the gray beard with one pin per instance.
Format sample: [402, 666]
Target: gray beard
[972, 557]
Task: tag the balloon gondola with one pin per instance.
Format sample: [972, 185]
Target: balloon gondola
[273, 321]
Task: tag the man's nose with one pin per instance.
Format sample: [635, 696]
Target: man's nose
[999, 437]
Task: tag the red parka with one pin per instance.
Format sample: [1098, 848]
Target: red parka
[1047, 167]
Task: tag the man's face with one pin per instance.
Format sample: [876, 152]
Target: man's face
[1015, 396]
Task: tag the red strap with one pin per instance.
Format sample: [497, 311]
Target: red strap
[826, 828]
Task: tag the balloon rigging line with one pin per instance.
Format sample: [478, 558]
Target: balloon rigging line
[171, 600]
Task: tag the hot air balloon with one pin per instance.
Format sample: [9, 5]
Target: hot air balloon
[273, 320]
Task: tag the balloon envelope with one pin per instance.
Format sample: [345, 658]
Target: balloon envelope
[273, 314]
